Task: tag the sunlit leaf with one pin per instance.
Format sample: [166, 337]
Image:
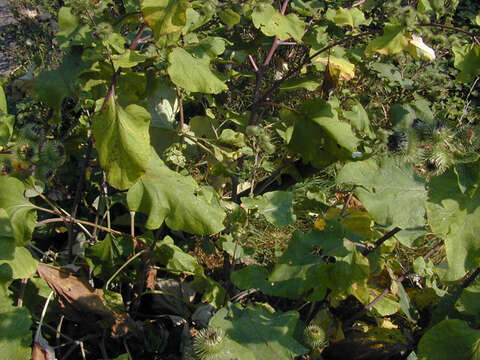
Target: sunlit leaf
[454, 216]
[72, 31]
[345, 69]
[391, 42]
[276, 206]
[15, 332]
[229, 17]
[359, 119]
[272, 23]
[123, 142]
[386, 188]
[467, 60]
[173, 258]
[450, 339]
[352, 17]
[419, 50]
[319, 136]
[23, 265]
[257, 333]
[193, 74]
[128, 59]
[21, 212]
[164, 16]
[165, 195]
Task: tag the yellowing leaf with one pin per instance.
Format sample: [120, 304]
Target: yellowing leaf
[164, 16]
[340, 66]
[320, 224]
[418, 49]
[391, 42]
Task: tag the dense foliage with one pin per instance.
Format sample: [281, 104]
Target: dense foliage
[243, 180]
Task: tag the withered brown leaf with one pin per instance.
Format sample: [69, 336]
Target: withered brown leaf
[82, 303]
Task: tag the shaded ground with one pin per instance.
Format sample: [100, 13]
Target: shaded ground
[6, 38]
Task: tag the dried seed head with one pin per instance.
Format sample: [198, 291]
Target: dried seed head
[208, 344]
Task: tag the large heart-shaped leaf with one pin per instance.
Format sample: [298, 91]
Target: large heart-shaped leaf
[455, 217]
[193, 74]
[15, 333]
[273, 23]
[450, 339]
[467, 60]
[319, 136]
[257, 333]
[165, 195]
[387, 188]
[123, 143]
[391, 42]
[21, 212]
[276, 206]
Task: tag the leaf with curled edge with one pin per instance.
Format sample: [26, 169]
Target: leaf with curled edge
[82, 303]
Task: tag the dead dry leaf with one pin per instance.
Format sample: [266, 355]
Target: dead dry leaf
[82, 303]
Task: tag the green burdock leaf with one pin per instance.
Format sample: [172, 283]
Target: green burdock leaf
[128, 59]
[7, 242]
[450, 339]
[455, 217]
[252, 277]
[427, 6]
[319, 136]
[21, 212]
[193, 74]
[122, 140]
[165, 195]
[352, 17]
[467, 60]
[15, 333]
[301, 266]
[174, 258]
[72, 31]
[272, 23]
[164, 16]
[391, 42]
[52, 87]
[213, 292]
[276, 206]
[359, 119]
[391, 192]
[229, 17]
[23, 265]
[469, 302]
[6, 121]
[348, 276]
[310, 83]
[259, 332]
[208, 48]
[3, 101]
